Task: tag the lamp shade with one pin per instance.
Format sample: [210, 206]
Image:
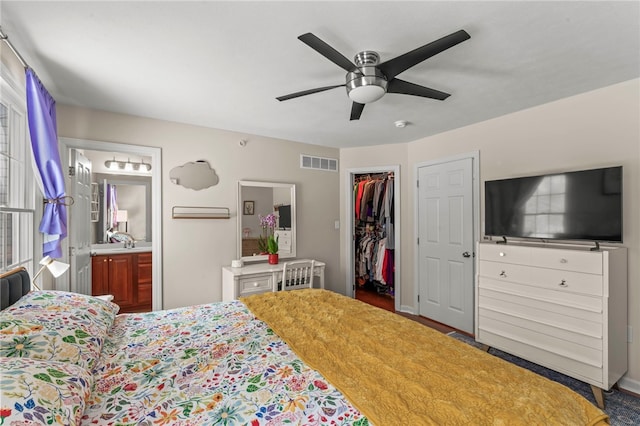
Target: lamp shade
[55, 267]
[122, 216]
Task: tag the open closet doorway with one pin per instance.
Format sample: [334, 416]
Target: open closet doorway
[69, 145]
[373, 272]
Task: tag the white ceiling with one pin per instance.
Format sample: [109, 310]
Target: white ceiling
[222, 64]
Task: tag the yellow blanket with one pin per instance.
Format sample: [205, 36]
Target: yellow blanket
[399, 372]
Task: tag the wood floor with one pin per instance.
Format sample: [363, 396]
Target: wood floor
[387, 302]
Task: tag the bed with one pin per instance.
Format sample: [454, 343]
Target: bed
[309, 357]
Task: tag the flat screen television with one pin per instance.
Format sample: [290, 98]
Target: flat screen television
[284, 213]
[580, 205]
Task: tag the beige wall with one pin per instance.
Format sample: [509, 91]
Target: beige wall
[194, 251]
[11, 65]
[598, 128]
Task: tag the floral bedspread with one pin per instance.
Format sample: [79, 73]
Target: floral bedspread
[211, 364]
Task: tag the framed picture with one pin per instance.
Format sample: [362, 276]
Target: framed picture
[248, 207]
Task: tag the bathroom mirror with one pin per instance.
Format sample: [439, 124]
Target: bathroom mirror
[257, 199]
[132, 196]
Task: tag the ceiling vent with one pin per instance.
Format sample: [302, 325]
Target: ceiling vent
[318, 163]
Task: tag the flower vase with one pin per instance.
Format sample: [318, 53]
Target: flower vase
[273, 259]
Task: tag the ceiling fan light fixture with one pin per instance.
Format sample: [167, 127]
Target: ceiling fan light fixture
[367, 80]
[366, 93]
[366, 85]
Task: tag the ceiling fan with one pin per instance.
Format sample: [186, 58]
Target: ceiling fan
[367, 80]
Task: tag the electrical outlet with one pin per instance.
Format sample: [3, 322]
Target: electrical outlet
[629, 334]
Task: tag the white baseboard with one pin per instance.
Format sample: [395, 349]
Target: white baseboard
[407, 309]
[629, 385]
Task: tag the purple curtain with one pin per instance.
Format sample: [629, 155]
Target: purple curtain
[41, 110]
[112, 206]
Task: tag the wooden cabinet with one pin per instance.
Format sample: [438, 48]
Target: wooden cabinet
[125, 276]
[144, 272]
[250, 247]
[563, 308]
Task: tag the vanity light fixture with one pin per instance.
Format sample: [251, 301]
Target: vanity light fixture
[127, 165]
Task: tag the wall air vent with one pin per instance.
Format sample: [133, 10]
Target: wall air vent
[318, 163]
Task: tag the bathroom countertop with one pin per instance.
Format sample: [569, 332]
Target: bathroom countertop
[118, 248]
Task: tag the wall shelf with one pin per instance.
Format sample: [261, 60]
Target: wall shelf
[192, 212]
[95, 202]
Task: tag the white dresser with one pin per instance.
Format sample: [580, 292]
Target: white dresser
[284, 240]
[258, 278]
[564, 308]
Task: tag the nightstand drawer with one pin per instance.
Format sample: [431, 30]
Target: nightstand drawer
[257, 284]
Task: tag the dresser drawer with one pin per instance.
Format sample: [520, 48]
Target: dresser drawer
[539, 312]
[576, 302]
[577, 346]
[256, 284]
[564, 281]
[568, 260]
[284, 241]
[589, 370]
[505, 253]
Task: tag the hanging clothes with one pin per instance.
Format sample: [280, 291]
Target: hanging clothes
[374, 233]
[359, 191]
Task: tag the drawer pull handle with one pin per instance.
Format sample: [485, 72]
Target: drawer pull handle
[563, 283]
[502, 254]
[503, 274]
[255, 284]
[563, 261]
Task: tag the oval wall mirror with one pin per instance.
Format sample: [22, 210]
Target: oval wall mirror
[257, 199]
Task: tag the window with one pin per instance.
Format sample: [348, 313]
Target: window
[544, 211]
[17, 191]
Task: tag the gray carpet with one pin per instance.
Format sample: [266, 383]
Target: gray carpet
[622, 408]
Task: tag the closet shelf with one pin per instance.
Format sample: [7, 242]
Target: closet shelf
[193, 212]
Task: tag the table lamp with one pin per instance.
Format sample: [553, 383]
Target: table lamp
[55, 267]
[123, 216]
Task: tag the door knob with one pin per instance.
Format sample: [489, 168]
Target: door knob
[466, 254]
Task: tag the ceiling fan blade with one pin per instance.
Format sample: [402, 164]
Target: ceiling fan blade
[405, 88]
[327, 51]
[356, 111]
[401, 63]
[307, 92]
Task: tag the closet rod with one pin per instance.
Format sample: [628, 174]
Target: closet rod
[369, 176]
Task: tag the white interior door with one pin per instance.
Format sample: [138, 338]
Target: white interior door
[445, 245]
[80, 223]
